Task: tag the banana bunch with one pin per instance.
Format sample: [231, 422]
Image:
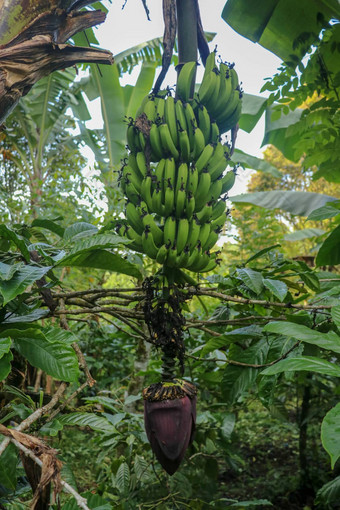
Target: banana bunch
[221, 94]
[175, 177]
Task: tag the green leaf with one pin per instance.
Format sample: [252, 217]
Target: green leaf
[50, 225]
[253, 108]
[141, 89]
[140, 466]
[8, 467]
[8, 270]
[5, 345]
[6, 233]
[228, 425]
[78, 230]
[254, 163]
[335, 312]
[301, 203]
[123, 478]
[329, 253]
[330, 340]
[97, 241]
[261, 252]
[276, 287]
[5, 365]
[305, 363]
[277, 24]
[91, 420]
[59, 335]
[24, 277]
[329, 493]
[237, 380]
[56, 359]
[254, 502]
[51, 428]
[251, 278]
[237, 335]
[323, 213]
[102, 259]
[305, 233]
[330, 433]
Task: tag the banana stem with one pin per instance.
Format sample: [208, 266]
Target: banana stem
[187, 35]
[169, 364]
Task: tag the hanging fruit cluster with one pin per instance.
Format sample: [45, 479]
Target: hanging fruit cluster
[175, 177]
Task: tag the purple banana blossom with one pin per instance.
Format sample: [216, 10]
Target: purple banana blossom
[170, 426]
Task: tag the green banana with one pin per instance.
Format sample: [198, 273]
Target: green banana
[141, 140]
[192, 180]
[214, 133]
[170, 119]
[208, 87]
[146, 191]
[218, 209]
[182, 234]
[228, 182]
[184, 145]
[155, 142]
[167, 141]
[189, 205]
[131, 133]
[156, 232]
[132, 193]
[170, 171]
[134, 236]
[233, 119]
[195, 258]
[172, 256]
[157, 203]
[160, 110]
[149, 245]
[205, 213]
[194, 233]
[218, 223]
[228, 109]
[202, 193]
[191, 124]
[134, 218]
[215, 190]
[211, 241]
[180, 115]
[204, 158]
[142, 164]
[150, 110]
[162, 253]
[185, 80]
[131, 175]
[204, 122]
[182, 177]
[169, 200]
[200, 263]
[180, 197]
[170, 227]
[233, 77]
[159, 170]
[199, 142]
[204, 233]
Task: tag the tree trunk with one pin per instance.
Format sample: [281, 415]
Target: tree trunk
[187, 35]
[33, 34]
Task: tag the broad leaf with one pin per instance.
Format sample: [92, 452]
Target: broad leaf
[97, 241]
[335, 312]
[252, 109]
[330, 434]
[50, 225]
[5, 365]
[102, 259]
[228, 425]
[91, 420]
[237, 380]
[277, 25]
[56, 359]
[20, 281]
[8, 270]
[301, 203]
[276, 287]
[237, 335]
[8, 467]
[325, 212]
[123, 478]
[329, 253]
[305, 363]
[329, 493]
[255, 163]
[305, 233]
[330, 340]
[78, 230]
[5, 345]
[261, 252]
[251, 279]
[255, 502]
[10, 235]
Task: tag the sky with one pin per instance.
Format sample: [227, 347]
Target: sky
[128, 27]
